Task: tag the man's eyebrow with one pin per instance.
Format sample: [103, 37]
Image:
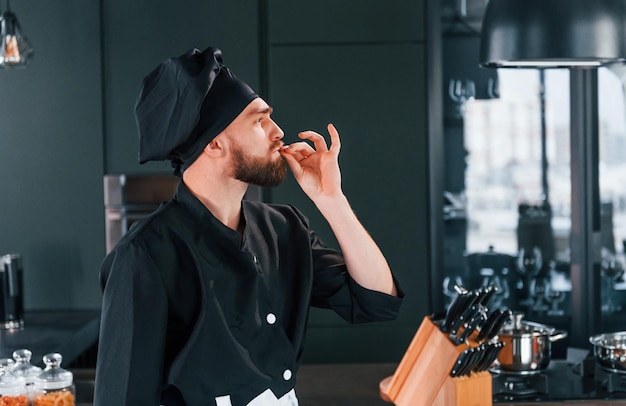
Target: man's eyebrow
[266, 110]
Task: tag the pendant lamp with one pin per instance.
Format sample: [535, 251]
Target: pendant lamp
[15, 49]
[553, 33]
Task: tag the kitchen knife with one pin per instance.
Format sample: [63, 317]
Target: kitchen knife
[475, 357]
[467, 310]
[460, 289]
[480, 316]
[456, 308]
[490, 291]
[476, 320]
[489, 323]
[467, 368]
[461, 362]
[488, 358]
[471, 353]
[481, 352]
[492, 356]
[486, 353]
[453, 311]
[504, 317]
[499, 346]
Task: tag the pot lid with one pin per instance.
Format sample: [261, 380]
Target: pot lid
[612, 341]
[519, 327]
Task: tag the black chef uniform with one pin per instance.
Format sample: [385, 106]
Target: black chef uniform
[193, 311]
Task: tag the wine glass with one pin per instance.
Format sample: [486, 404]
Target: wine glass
[611, 271]
[529, 264]
[461, 91]
[538, 290]
[554, 298]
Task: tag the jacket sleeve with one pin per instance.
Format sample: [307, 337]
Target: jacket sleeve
[132, 329]
[333, 288]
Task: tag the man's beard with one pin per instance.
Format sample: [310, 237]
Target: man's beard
[258, 171]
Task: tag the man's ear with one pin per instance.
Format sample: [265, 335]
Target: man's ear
[217, 147]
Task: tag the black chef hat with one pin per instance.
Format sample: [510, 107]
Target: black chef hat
[184, 103]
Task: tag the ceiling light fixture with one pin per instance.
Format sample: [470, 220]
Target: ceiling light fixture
[15, 49]
[553, 33]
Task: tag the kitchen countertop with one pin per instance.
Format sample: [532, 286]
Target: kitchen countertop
[357, 384]
[352, 385]
[571, 402]
[342, 384]
[69, 333]
[574, 382]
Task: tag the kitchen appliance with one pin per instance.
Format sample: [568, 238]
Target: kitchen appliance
[562, 380]
[611, 381]
[11, 291]
[606, 380]
[514, 387]
[128, 198]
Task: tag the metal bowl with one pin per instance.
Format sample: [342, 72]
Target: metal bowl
[610, 350]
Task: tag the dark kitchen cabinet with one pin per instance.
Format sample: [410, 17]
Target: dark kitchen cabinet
[364, 68]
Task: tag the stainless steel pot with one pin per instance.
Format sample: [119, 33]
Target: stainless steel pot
[527, 346]
[610, 350]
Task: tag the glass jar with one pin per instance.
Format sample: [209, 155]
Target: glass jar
[12, 387]
[54, 385]
[25, 369]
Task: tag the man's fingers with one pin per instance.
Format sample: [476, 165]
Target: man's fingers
[299, 150]
[316, 139]
[335, 142]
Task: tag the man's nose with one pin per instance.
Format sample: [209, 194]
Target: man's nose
[276, 132]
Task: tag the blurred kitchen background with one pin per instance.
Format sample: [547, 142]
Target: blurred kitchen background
[454, 169]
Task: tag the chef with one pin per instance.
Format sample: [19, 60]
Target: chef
[205, 301]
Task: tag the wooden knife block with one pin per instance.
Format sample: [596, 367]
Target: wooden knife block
[423, 375]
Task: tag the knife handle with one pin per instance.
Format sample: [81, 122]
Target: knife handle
[462, 320]
[471, 326]
[482, 351]
[491, 291]
[493, 355]
[461, 363]
[504, 317]
[489, 323]
[465, 311]
[456, 308]
[474, 358]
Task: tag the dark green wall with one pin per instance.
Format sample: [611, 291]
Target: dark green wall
[68, 119]
[138, 35]
[51, 155]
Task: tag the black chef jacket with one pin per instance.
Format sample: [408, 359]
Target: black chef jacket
[193, 311]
